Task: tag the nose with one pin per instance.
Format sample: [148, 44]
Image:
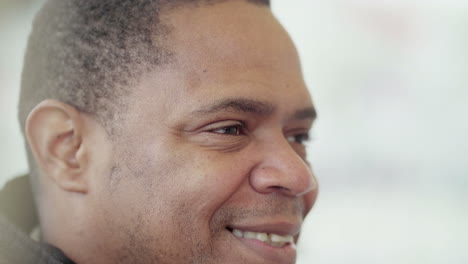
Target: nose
[282, 170]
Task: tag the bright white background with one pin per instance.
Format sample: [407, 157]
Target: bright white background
[390, 81]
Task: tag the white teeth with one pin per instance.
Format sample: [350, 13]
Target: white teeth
[262, 237]
[237, 233]
[270, 239]
[276, 238]
[250, 235]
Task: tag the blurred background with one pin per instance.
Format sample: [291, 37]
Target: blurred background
[390, 147]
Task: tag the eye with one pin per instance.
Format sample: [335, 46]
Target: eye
[299, 138]
[232, 130]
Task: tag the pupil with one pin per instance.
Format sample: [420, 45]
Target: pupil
[232, 130]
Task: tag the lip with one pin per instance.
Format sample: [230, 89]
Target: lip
[283, 255]
[280, 228]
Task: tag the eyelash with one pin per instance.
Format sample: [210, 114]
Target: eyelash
[299, 138]
[240, 130]
[241, 127]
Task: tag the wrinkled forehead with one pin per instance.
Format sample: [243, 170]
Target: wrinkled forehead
[229, 35]
[232, 49]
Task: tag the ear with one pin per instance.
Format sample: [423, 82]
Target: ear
[54, 133]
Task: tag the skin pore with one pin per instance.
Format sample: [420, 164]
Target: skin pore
[209, 143]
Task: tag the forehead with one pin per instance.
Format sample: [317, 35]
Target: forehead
[234, 34]
[237, 32]
[232, 48]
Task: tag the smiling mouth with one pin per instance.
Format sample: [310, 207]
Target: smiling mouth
[271, 239]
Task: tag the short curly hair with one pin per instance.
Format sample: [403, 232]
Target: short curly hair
[88, 53]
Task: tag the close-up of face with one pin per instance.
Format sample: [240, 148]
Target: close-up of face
[205, 162]
[233, 132]
[209, 163]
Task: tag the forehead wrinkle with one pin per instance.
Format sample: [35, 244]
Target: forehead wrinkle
[239, 105]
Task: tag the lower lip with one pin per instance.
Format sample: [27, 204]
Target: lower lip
[285, 254]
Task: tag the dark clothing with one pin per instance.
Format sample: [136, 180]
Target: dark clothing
[17, 219]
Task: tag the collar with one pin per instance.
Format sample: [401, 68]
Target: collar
[18, 217]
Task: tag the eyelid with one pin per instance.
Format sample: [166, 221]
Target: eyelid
[225, 124]
[305, 137]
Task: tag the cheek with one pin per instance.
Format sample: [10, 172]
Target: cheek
[217, 175]
[205, 183]
[187, 185]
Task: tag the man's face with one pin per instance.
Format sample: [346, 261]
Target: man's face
[211, 147]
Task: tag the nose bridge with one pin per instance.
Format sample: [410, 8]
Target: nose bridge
[282, 170]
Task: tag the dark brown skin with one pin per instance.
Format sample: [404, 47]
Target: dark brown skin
[180, 171]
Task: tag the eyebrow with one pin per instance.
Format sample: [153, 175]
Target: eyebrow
[306, 113]
[239, 105]
[252, 106]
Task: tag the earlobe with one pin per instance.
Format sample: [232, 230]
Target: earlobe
[54, 134]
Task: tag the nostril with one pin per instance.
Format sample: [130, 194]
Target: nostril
[280, 178]
[279, 188]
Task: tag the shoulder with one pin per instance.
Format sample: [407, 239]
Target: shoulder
[17, 218]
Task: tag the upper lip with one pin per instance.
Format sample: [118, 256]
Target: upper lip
[279, 228]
